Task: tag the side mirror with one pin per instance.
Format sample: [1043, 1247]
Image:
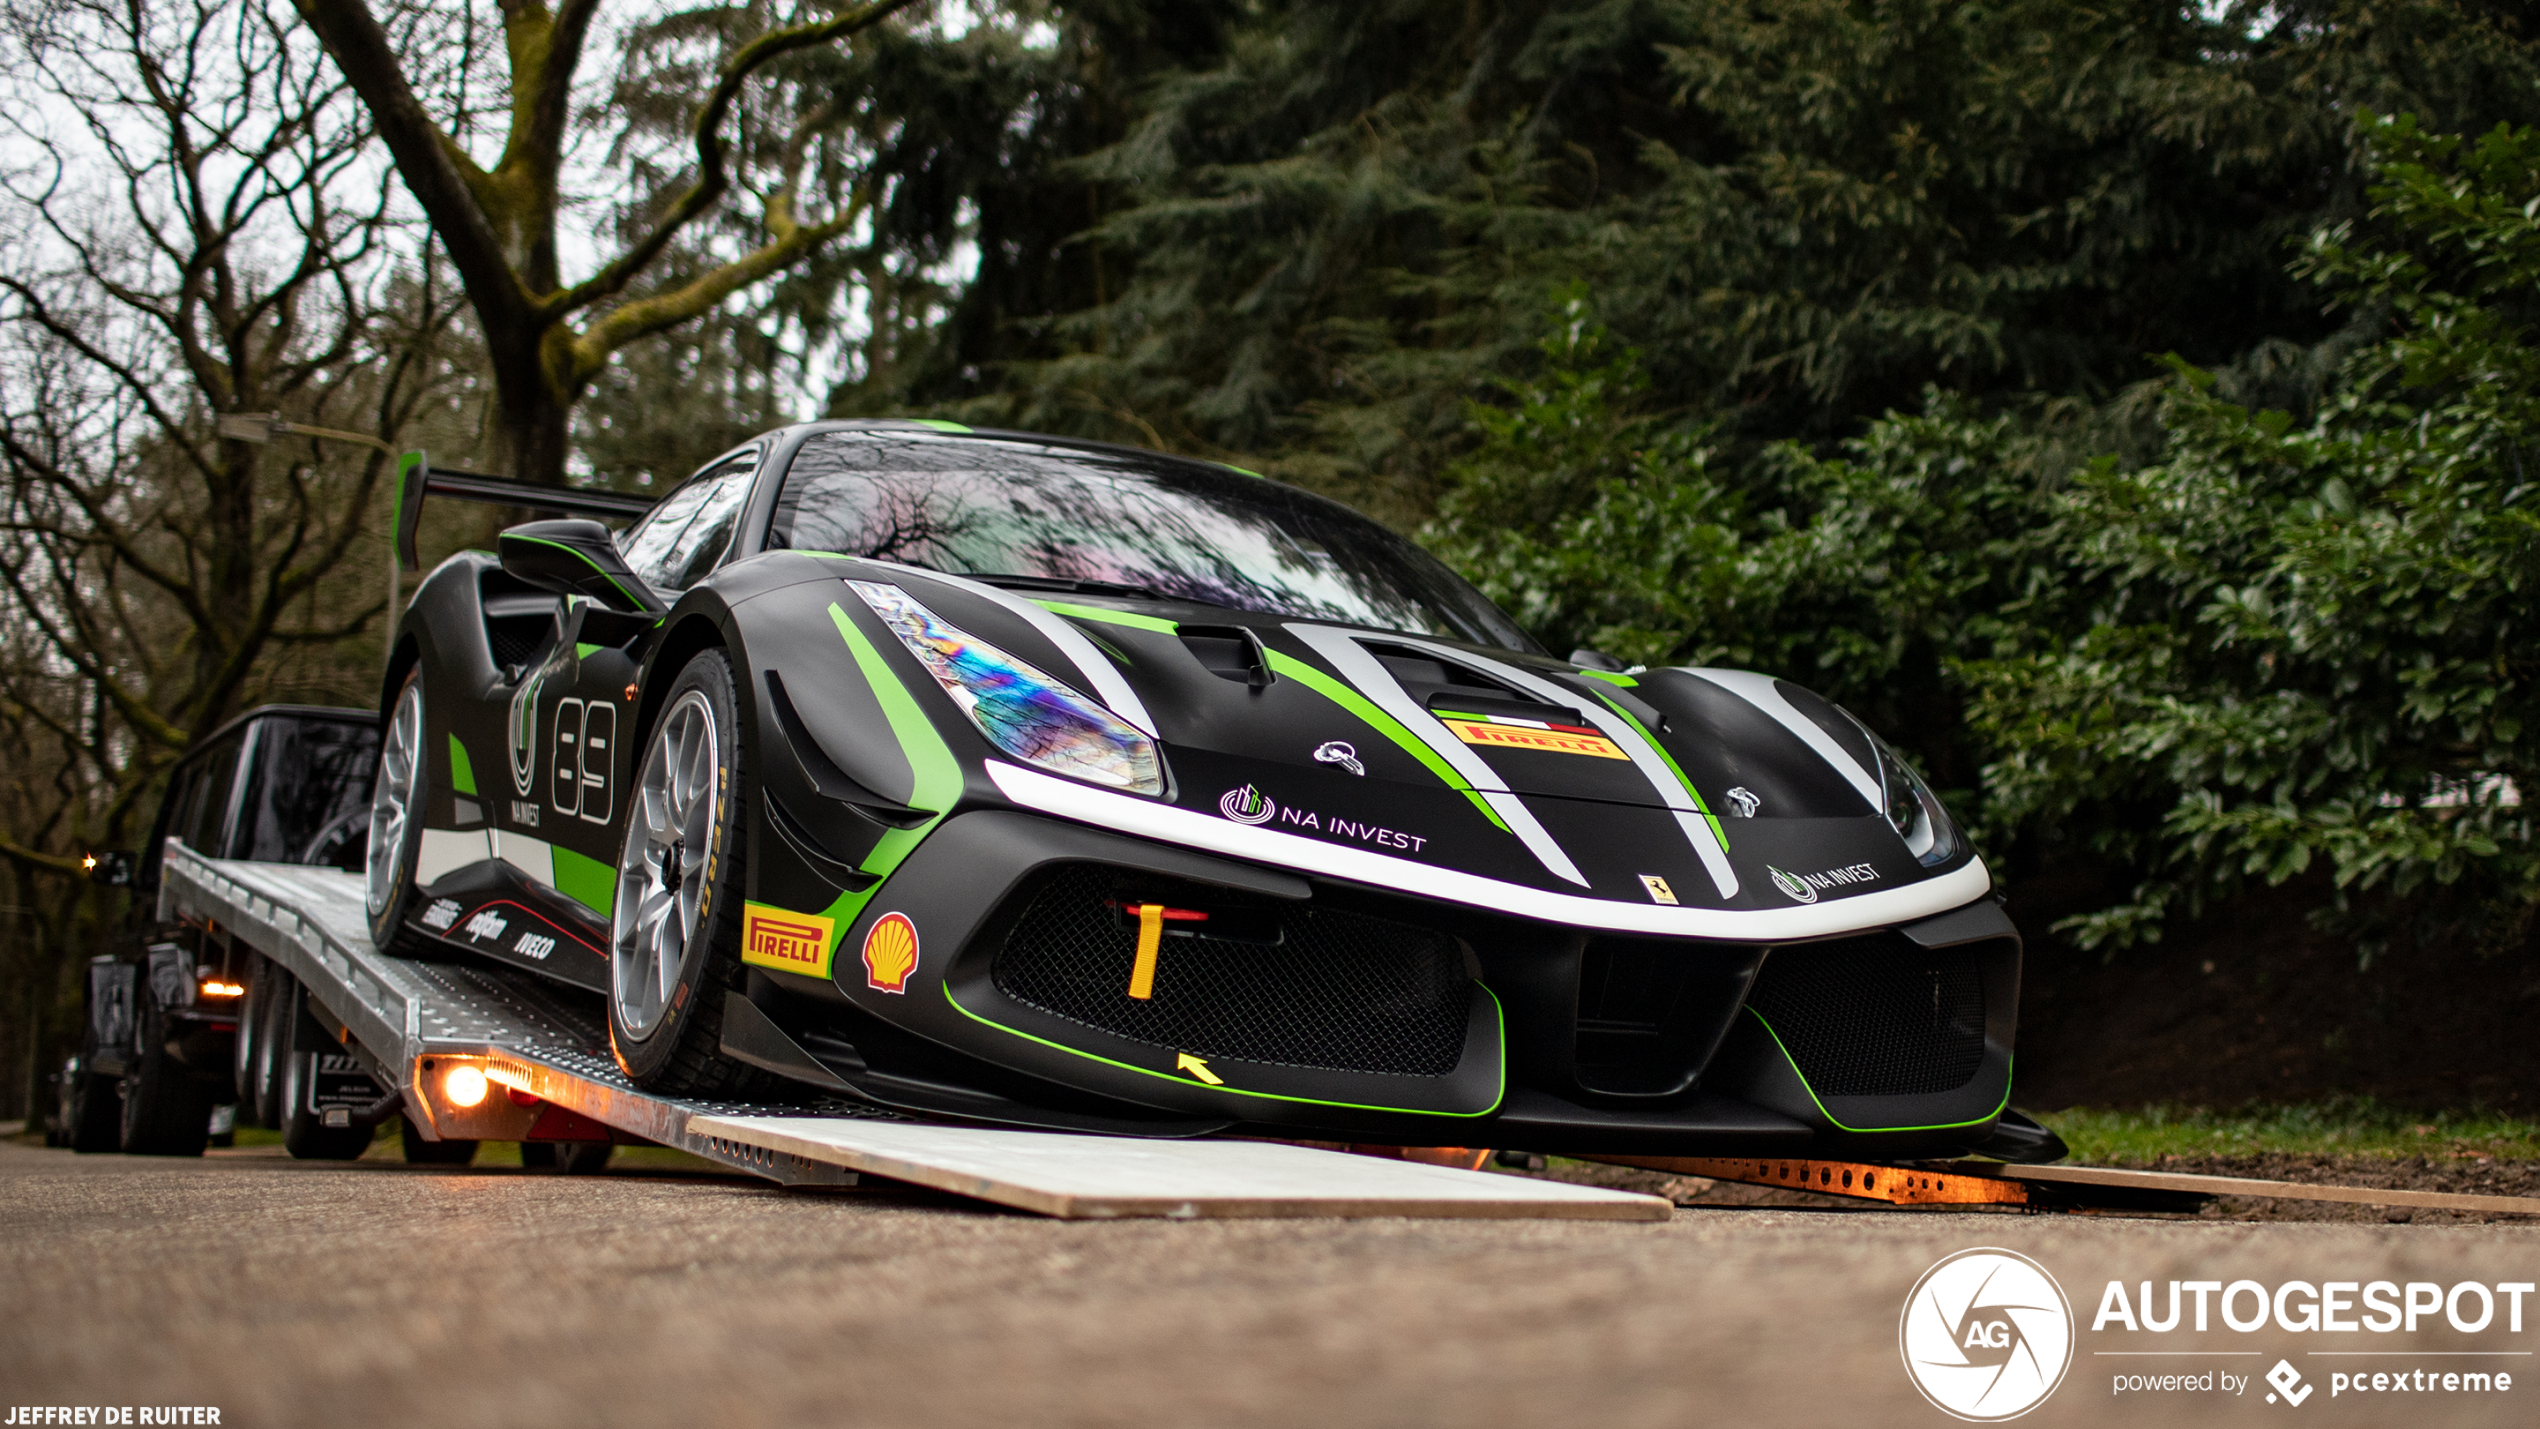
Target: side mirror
[576, 557]
[1587, 659]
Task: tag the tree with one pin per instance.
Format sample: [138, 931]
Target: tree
[546, 339]
[2310, 640]
[193, 234]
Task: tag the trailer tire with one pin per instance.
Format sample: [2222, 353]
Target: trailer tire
[253, 1063]
[167, 1110]
[395, 841]
[566, 1158]
[94, 1114]
[420, 1152]
[273, 1042]
[679, 879]
[303, 1135]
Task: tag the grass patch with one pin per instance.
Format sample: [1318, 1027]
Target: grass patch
[2356, 1127]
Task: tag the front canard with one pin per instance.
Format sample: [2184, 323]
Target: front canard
[783, 939]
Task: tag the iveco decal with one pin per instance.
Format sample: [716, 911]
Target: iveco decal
[585, 731]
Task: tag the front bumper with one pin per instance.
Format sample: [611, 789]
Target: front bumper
[1310, 1007]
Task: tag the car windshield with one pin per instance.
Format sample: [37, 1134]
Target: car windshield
[1117, 521]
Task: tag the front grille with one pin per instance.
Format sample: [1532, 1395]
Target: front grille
[1302, 986]
[1876, 1017]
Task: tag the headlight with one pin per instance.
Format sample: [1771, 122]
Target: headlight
[1022, 711]
[1912, 809]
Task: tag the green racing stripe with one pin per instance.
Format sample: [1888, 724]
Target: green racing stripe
[1384, 724]
[937, 774]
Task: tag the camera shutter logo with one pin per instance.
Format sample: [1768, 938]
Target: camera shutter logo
[1987, 1335]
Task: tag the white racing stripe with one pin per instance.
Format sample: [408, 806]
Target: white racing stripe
[1697, 829]
[1108, 685]
[1757, 690]
[1122, 813]
[1369, 675]
[446, 851]
[533, 857]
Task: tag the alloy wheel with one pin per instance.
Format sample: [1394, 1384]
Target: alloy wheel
[661, 872]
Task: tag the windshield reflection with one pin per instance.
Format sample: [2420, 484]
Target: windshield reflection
[971, 506]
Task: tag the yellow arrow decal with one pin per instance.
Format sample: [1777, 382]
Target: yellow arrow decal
[1185, 1062]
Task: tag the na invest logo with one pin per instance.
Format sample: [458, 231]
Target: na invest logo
[1986, 1335]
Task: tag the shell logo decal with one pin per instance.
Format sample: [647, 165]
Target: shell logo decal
[890, 953]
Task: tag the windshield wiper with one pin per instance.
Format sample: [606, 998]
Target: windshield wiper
[1075, 587]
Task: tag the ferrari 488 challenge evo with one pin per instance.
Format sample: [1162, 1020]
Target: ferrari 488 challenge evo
[1052, 784]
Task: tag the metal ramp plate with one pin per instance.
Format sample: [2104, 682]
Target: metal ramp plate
[551, 1042]
[1107, 1177]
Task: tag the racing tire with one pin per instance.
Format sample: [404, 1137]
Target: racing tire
[167, 1110]
[395, 842]
[420, 1152]
[566, 1158]
[303, 1134]
[93, 1116]
[675, 930]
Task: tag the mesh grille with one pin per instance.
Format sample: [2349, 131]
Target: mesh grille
[1876, 1016]
[515, 639]
[1306, 987]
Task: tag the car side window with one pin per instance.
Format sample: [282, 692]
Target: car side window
[686, 536]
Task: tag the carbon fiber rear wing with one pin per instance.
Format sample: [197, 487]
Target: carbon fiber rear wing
[417, 478]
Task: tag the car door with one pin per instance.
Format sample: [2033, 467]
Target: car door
[573, 711]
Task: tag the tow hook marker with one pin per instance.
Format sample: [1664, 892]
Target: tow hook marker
[1150, 938]
[1185, 1062]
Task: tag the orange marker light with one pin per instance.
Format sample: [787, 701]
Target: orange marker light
[223, 989]
[463, 1086]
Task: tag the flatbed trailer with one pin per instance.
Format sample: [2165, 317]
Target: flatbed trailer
[416, 1027]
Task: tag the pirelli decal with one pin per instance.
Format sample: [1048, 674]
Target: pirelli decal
[783, 939]
[1528, 734]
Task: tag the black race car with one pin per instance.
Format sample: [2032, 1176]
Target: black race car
[1000, 776]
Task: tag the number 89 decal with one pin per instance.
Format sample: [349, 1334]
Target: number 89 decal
[585, 729]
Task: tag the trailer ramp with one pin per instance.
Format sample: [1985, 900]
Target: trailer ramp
[411, 1022]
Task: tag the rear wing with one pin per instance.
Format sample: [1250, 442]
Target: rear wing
[416, 479]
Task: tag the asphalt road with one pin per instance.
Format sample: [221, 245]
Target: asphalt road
[286, 1294]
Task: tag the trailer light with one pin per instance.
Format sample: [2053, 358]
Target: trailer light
[223, 989]
[463, 1085]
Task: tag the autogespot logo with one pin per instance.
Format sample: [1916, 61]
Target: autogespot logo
[1986, 1335]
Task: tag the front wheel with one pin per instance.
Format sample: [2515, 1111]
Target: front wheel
[676, 925]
